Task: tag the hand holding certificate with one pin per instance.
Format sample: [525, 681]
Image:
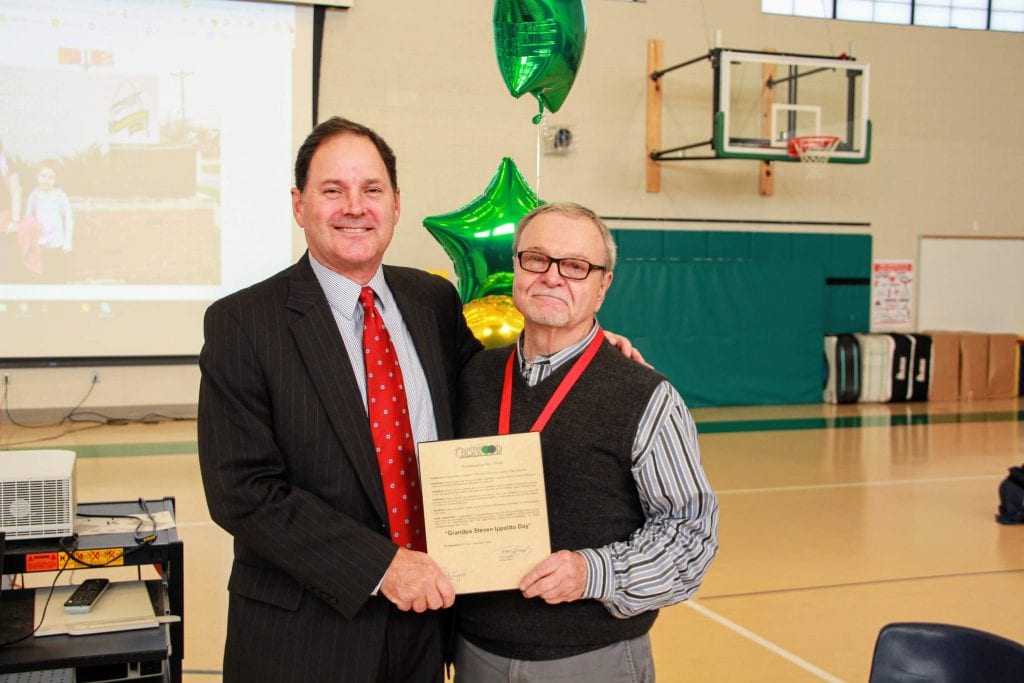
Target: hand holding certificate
[485, 509]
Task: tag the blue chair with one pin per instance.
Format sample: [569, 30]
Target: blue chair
[943, 653]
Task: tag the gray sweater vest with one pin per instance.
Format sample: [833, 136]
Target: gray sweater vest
[591, 495]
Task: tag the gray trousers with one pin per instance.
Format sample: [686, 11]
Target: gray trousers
[628, 660]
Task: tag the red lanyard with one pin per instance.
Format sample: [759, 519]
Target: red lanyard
[505, 414]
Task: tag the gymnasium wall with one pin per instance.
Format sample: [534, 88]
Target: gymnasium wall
[947, 157]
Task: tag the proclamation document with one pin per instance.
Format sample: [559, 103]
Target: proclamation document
[485, 511]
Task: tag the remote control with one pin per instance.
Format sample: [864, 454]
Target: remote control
[85, 596]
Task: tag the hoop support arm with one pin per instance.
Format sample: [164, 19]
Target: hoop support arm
[664, 154]
[655, 75]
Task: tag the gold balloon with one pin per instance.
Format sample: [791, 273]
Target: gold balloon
[494, 320]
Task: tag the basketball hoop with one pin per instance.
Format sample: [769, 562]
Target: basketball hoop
[813, 149]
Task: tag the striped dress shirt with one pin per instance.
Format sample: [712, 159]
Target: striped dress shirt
[664, 561]
[343, 296]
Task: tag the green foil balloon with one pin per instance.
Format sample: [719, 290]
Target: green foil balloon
[539, 44]
[478, 237]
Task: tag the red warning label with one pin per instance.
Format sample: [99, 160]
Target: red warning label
[80, 559]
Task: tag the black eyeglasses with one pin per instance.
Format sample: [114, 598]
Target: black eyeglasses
[569, 268]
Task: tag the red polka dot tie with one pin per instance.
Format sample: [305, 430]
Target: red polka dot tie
[391, 430]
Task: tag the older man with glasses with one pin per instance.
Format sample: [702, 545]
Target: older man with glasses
[633, 520]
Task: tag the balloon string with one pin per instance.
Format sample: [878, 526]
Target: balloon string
[537, 184]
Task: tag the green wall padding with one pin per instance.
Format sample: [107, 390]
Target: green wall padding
[772, 246]
[640, 244]
[687, 245]
[845, 261]
[725, 332]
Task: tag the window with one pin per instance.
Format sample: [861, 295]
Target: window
[881, 11]
[1007, 15]
[995, 15]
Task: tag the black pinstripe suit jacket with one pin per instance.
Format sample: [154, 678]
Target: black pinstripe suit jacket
[289, 470]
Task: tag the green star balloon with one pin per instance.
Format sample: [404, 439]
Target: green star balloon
[478, 237]
[539, 44]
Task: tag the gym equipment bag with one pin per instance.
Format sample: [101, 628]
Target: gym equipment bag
[1011, 498]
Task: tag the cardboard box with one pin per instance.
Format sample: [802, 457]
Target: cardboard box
[945, 385]
[1002, 365]
[973, 366]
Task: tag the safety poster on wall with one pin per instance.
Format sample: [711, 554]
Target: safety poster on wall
[892, 294]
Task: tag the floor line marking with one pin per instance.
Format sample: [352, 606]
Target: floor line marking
[863, 484]
[763, 642]
[858, 584]
[918, 416]
[857, 421]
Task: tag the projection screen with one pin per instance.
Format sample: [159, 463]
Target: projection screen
[146, 164]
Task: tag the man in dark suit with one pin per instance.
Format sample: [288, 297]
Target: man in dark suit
[318, 590]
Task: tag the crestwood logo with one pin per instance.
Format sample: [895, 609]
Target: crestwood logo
[477, 451]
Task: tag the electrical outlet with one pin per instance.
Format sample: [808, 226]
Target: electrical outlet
[7, 379]
[95, 377]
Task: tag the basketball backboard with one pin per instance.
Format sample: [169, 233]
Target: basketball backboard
[761, 101]
[764, 99]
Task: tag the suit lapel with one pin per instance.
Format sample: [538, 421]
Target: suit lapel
[422, 324]
[323, 353]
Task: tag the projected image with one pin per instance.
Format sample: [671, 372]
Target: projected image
[114, 182]
[146, 150]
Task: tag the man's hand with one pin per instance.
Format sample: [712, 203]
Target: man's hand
[413, 581]
[560, 577]
[625, 347]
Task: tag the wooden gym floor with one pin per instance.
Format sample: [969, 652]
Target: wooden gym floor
[835, 520]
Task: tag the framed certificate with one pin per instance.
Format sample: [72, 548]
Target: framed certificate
[485, 509]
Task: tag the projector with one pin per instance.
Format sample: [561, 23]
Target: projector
[37, 494]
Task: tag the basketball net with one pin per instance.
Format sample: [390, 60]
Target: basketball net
[814, 152]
